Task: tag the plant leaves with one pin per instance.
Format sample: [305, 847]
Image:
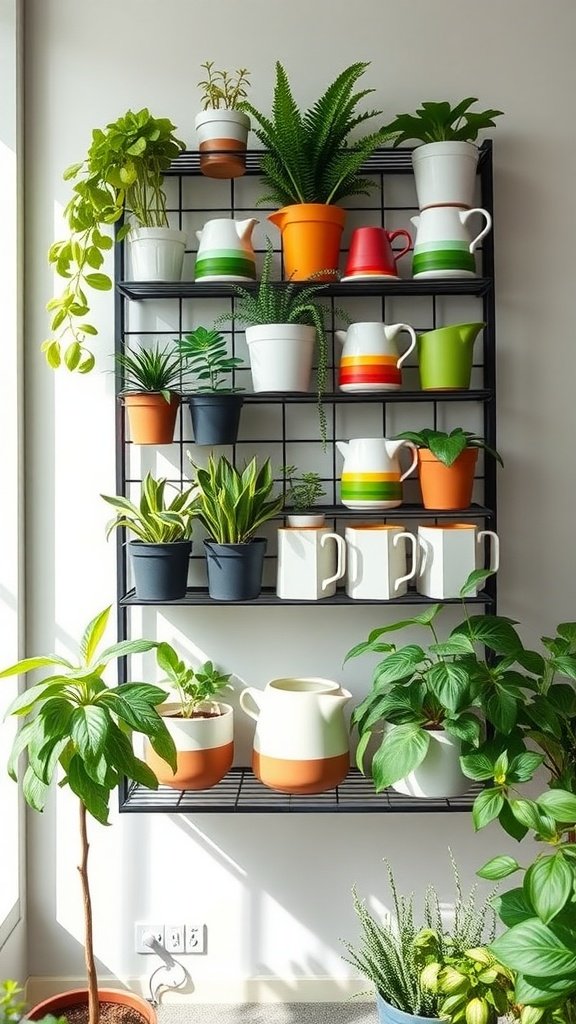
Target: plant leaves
[499, 867]
[402, 750]
[533, 948]
[487, 807]
[559, 804]
[513, 907]
[548, 884]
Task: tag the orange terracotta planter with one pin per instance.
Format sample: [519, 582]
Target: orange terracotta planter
[447, 487]
[311, 234]
[58, 1004]
[152, 419]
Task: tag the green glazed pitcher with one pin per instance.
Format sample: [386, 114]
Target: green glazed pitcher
[445, 356]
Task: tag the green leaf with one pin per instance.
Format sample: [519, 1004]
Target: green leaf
[465, 727]
[559, 804]
[29, 664]
[513, 907]
[534, 949]
[543, 992]
[35, 791]
[523, 766]
[528, 813]
[449, 683]
[477, 766]
[101, 282]
[494, 632]
[475, 580]
[25, 701]
[402, 750]
[487, 807]
[567, 630]
[400, 664]
[94, 797]
[510, 824]
[93, 634]
[499, 867]
[89, 727]
[361, 750]
[458, 644]
[548, 884]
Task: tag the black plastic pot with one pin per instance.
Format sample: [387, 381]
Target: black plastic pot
[235, 570]
[160, 570]
[215, 418]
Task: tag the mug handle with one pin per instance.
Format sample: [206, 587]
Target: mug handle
[250, 693]
[395, 234]
[494, 548]
[411, 539]
[341, 549]
[409, 330]
[409, 444]
[465, 214]
[426, 548]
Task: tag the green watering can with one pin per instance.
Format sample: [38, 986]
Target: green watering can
[445, 356]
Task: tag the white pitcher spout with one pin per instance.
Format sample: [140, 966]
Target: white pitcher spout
[340, 336]
[415, 221]
[245, 228]
[199, 234]
[331, 702]
[343, 447]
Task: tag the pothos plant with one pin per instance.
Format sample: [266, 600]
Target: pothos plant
[77, 725]
[121, 173]
[196, 687]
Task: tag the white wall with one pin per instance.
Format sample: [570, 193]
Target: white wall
[275, 890]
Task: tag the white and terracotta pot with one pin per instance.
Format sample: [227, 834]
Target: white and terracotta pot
[439, 775]
[204, 748]
[445, 174]
[281, 356]
[222, 140]
[157, 254]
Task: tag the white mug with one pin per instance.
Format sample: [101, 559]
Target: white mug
[376, 561]
[310, 563]
[448, 554]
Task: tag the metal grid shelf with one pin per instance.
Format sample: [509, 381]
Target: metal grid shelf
[240, 792]
[344, 289]
[268, 596]
[336, 397]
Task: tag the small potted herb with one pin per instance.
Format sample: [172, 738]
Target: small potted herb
[150, 384]
[215, 406]
[222, 128]
[202, 728]
[232, 505]
[163, 529]
[302, 493]
[445, 166]
[446, 464]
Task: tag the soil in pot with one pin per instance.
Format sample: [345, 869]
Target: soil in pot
[120, 1007]
[215, 418]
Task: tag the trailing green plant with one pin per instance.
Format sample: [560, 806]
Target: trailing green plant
[205, 353]
[74, 723]
[195, 686]
[232, 503]
[11, 1007]
[155, 520]
[122, 173]
[440, 122]
[309, 157]
[447, 447]
[223, 89]
[278, 302]
[474, 988]
[303, 491]
[156, 370]
[393, 952]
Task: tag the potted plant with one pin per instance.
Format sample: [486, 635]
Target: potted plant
[302, 493]
[311, 164]
[202, 728]
[474, 988]
[121, 174]
[232, 505]
[395, 952]
[163, 529]
[222, 128]
[284, 327]
[215, 406]
[74, 721]
[446, 464]
[445, 166]
[151, 379]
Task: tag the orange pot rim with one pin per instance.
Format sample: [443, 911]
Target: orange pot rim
[151, 397]
[310, 211]
[62, 1000]
[425, 455]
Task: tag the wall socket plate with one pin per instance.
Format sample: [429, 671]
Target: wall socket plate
[140, 931]
[196, 938]
[174, 938]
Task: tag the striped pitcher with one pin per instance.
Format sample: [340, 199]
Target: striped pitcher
[372, 476]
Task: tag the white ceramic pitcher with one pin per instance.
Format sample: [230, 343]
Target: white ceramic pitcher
[310, 562]
[301, 741]
[372, 476]
[444, 246]
[370, 359]
[225, 251]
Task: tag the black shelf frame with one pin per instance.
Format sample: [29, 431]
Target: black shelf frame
[268, 597]
[242, 793]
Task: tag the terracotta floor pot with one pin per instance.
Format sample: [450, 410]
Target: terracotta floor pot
[311, 234]
[152, 419]
[447, 487]
[59, 1004]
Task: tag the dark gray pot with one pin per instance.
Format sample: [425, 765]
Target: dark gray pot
[160, 570]
[215, 418]
[235, 570]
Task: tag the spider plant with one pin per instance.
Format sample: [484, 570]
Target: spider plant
[157, 370]
[309, 158]
[156, 520]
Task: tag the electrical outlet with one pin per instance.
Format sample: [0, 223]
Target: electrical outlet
[174, 938]
[140, 930]
[195, 938]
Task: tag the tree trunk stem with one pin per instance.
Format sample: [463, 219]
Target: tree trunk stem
[93, 1003]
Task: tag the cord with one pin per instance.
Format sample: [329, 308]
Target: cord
[170, 974]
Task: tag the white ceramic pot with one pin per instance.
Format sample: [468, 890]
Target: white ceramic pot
[439, 775]
[222, 140]
[302, 520]
[376, 561]
[445, 173]
[204, 747]
[310, 563]
[448, 554]
[156, 254]
[281, 356]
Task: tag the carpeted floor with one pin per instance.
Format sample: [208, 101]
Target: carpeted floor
[269, 1013]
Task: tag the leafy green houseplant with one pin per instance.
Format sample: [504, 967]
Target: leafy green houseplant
[441, 122]
[473, 987]
[150, 381]
[122, 173]
[223, 89]
[163, 529]
[77, 724]
[232, 505]
[446, 464]
[311, 163]
[215, 404]
[302, 492]
[222, 127]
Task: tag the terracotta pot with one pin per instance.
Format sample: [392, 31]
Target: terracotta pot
[58, 1004]
[152, 419]
[447, 487]
[204, 748]
[222, 139]
[311, 234]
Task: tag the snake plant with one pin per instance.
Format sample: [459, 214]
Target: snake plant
[155, 520]
[232, 503]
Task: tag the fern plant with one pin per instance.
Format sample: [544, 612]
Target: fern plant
[155, 520]
[232, 503]
[308, 158]
[156, 370]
